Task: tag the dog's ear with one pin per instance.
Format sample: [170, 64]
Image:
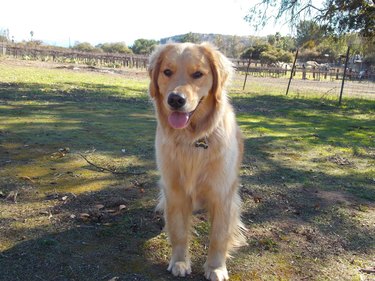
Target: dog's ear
[222, 70]
[153, 71]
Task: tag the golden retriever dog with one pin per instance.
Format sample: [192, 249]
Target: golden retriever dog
[199, 150]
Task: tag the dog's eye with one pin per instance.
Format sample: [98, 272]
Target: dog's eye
[197, 75]
[168, 72]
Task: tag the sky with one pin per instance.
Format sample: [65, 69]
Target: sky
[98, 21]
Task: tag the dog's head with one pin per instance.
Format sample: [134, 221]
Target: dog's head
[187, 80]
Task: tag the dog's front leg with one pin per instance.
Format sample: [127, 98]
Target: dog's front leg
[178, 219]
[215, 266]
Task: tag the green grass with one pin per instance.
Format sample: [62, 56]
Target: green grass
[307, 182]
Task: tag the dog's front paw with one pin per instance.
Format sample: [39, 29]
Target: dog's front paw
[216, 274]
[179, 268]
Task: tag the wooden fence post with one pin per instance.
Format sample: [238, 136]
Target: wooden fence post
[291, 72]
[303, 72]
[343, 77]
[247, 71]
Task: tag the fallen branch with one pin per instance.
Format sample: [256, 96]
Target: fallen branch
[367, 270]
[12, 196]
[102, 169]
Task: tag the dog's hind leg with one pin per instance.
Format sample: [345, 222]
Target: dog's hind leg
[226, 234]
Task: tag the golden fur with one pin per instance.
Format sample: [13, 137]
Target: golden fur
[194, 178]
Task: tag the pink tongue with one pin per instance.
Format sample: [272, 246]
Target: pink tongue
[178, 120]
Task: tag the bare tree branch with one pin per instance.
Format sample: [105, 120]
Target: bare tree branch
[336, 15]
[109, 170]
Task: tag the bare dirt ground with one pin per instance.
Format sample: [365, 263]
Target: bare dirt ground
[323, 88]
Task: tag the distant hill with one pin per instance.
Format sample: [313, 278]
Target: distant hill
[202, 37]
[230, 45]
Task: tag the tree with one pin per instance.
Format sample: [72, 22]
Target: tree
[235, 47]
[269, 56]
[34, 43]
[284, 56]
[286, 43]
[271, 39]
[256, 50]
[267, 53]
[350, 15]
[274, 55]
[335, 15]
[332, 47]
[4, 35]
[219, 42]
[117, 47]
[143, 46]
[368, 51]
[83, 47]
[309, 34]
[191, 37]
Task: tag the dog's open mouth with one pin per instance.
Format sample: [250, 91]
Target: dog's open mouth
[178, 119]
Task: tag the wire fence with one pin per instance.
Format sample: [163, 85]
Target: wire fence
[314, 78]
[320, 79]
[323, 88]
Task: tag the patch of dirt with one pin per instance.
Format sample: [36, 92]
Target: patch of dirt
[339, 160]
[132, 73]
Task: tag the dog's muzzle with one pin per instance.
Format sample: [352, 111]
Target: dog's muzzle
[178, 118]
[176, 100]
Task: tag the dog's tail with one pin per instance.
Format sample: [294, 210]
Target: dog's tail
[237, 228]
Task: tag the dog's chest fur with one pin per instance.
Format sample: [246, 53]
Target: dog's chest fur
[197, 170]
[183, 157]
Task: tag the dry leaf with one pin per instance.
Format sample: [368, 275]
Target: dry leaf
[26, 178]
[99, 206]
[84, 216]
[64, 150]
[121, 207]
[52, 196]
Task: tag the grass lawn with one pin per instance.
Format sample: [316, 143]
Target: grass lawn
[78, 181]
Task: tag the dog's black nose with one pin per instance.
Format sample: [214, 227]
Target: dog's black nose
[176, 101]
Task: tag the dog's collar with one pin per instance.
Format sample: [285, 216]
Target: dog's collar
[203, 142]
